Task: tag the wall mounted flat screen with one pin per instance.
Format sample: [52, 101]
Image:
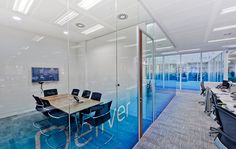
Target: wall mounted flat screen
[40, 74]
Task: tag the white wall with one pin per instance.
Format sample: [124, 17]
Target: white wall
[16, 60]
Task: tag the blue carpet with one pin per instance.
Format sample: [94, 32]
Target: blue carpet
[20, 133]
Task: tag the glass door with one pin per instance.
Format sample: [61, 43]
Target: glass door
[146, 81]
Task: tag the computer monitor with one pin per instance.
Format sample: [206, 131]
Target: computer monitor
[40, 74]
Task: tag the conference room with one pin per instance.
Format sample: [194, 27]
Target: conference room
[69, 73]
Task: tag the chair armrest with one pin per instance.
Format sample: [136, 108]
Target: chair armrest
[57, 115]
[39, 105]
[49, 108]
[42, 124]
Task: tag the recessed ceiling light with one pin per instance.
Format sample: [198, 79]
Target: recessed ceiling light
[166, 53]
[157, 40]
[24, 48]
[69, 15]
[93, 29]
[16, 18]
[66, 32]
[22, 6]
[228, 10]
[169, 47]
[229, 46]
[224, 39]
[37, 38]
[122, 16]
[149, 41]
[147, 55]
[80, 25]
[76, 46]
[234, 52]
[232, 59]
[130, 45]
[147, 51]
[224, 28]
[190, 50]
[117, 39]
[87, 4]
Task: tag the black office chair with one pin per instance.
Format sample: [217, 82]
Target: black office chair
[216, 102]
[42, 106]
[102, 115]
[55, 117]
[225, 84]
[96, 96]
[227, 133]
[203, 88]
[86, 93]
[75, 92]
[50, 92]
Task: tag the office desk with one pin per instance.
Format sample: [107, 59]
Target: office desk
[225, 97]
[68, 104]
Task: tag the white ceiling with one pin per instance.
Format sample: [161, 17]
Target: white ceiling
[190, 23]
[43, 13]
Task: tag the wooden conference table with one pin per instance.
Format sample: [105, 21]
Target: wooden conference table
[68, 104]
[224, 96]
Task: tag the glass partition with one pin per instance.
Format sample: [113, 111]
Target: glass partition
[163, 91]
[127, 90]
[158, 74]
[191, 64]
[147, 81]
[80, 62]
[171, 64]
[212, 66]
[34, 66]
[232, 66]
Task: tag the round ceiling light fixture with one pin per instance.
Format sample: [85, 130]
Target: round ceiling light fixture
[80, 25]
[122, 16]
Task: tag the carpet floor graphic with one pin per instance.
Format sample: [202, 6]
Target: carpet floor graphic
[18, 132]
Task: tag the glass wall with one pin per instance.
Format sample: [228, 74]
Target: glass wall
[80, 63]
[171, 71]
[147, 83]
[232, 66]
[212, 66]
[34, 58]
[168, 69]
[191, 64]
[159, 71]
[165, 76]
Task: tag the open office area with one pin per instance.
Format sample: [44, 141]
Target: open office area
[117, 74]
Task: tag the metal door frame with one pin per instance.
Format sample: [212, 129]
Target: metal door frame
[140, 32]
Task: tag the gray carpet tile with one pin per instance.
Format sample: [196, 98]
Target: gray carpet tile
[182, 125]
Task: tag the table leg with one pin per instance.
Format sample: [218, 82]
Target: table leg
[80, 118]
